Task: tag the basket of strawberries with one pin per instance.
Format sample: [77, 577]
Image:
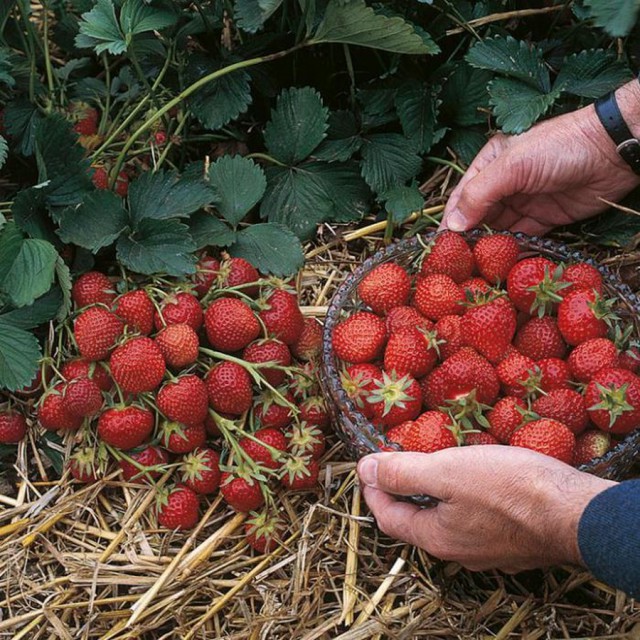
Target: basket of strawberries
[480, 338]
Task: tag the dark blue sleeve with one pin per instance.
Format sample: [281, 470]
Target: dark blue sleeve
[609, 537]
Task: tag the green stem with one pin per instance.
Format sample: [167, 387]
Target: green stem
[446, 163]
[107, 105]
[47, 55]
[352, 75]
[151, 91]
[268, 158]
[169, 144]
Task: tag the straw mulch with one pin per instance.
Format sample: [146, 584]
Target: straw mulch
[87, 562]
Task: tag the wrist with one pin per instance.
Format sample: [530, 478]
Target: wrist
[628, 97]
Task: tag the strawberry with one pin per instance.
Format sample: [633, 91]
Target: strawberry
[180, 438]
[479, 437]
[386, 286]
[309, 343]
[628, 347]
[92, 287]
[553, 374]
[489, 326]
[179, 308]
[395, 399]
[53, 414]
[271, 411]
[613, 400]
[591, 356]
[237, 272]
[474, 287]
[137, 365]
[207, 270]
[184, 400]
[262, 532]
[505, 417]
[82, 397]
[122, 184]
[13, 427]
[360, 338]
[358, 381]
[405, 317]
[125, 427]
[81, 368]
[300, 473]
[449, 335]
[200, 470]
[211, 426]
[534, 285]
[630, 359]
[179, 345]
[583, 315]
[136, 309]
[495, 256]
[448, 254]
[411, 351]
[437, 296]
[160, 138]
[281, 316]
[241, 491]
[230, 324]
[581, 276]
[304, 380]
[96, 331]
[178, 508]
[86, 465]
[266, 447]
[397, 434]
[229, 388]
[313, 411]
[546, 436]
[540, 338]
[269, 350]
[564, 405]
[84, 119]
[100, 178]
[517, 375]
[144, 465]
[589, 445]
[432, 431]
[306, 440]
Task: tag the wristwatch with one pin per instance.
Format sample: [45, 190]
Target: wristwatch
[627, 145]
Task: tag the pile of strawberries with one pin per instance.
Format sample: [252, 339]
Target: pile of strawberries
[198, 378]
[487, 346]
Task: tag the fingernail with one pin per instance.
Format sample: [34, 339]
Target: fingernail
[368, 471]
[456, 221]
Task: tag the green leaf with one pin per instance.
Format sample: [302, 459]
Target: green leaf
[6, 68]
[416, 108]
[95, 223]
[3, 221]
[298, 125]
[343, 138]
[355, 23]
[378, 107]
[616, 17]
[252, 14]
[163, 194]
[10, 244]
[19, 356]
[206, 229]
[464, 96]
[512, 58]
[591, 74]
[50, 445]
[401, 202]
[100, 30]
[466, 143]
[64, 280]
[20, 120]
[158, 246]
[31, 273]
[138, 17]
[42, 310]
[269, 247]
[238, 184]
[389, 160]
[4, 151]
[29, 210]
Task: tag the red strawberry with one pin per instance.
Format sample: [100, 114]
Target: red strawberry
[137, 310]
[271, 411]
[432, 431]
[360, 338]
[474, 287]
[178, 508]
[309, 344]
[546, 436]
[184, 400]
[583, 315]
[179, 345]
[313, 411]
[437, 296]
[449, 335]
[269, 350]
[398, 433]
[358, 381]
[628, 347]
[125, 427]
[300, 474]
[80, 368]
[137, 365]
[553, 374]
[92, 287]
[53, 413]
[590, 357]
[281, 316]
[479, 437]
[96, 331]
[489, 326]
[405, 317]
[564, 405]
[87, 465]
[411, 351]
[241, 491]
[146, 464]
[505, 417]
[304, 380]
[590, 445]
[540, 338]
[84, 119]
[207, 271]
[180, 308]
[450, 255]
[200, 471]
[395, 399]
[630, 359]
[582, 276]
[386, 286]
[613, 400]
[180, 438]
[82, 397]
[230, 324]
[100, 178]
[306, 440]
[268, 452]
[495, 256]
[160, 138]
[262, 532]
[237, 272]
[534, 285]
[122, 184]
[13, 427]
[229, 388]
[211, 426]
[517, 375]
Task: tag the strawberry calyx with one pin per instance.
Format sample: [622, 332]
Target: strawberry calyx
[195, 464]
[263, 530]
[89, 461]
[303, 438]
[613, 400]
[602, 309]
[547, 291]
[296, 467]
[466, 411]
[391, 391]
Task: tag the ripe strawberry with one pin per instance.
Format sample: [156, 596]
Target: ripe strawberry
[564, 405]
[406, 317]
[489, 326]
[122, 184]
[553, 374]
[300, 474]
[13, 427]
[179, 345]
[207, 271]
[180, 438]
[230, 324]
[160, 138]
[360, 338]
[96, 331]
[495, 256]
[241, 491]
[137, 365]
[397, 434]
[53, 414]
[237, 272]
[309, 344]
[358, 381]
[92, 287]
[229, 388]
[136, 309]
[87, 465]
[84, 119]
[179, 308]
[534, 285]
[479, 437]
[125, 427]
[589, 445]
[583, 315]
[450, 255]
[184, 400]
[385, 287]
[505, 417]
[200, 471]
[630, 359]
[271, 411]
[628, 348]
[81, 368]
[449, 335]
[281, 316]
[432, 431]
[146, 465]
[313, 411]
[178, 508]
[517, 375]
[437, 296]
[411, 351]
[262, 532]
[474, 287]
[546, 436]
[82, 397]
[269, 454]
[100, 178]
[613, 400]
[540, 338]
[395, 399]
[269, 350]
[582, 276]
[591, 356]
[306, 440]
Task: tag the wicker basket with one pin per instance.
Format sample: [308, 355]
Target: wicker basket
[361, 437]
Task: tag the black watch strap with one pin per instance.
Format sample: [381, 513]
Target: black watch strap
[627, 145]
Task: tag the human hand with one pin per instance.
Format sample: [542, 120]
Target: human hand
[500, 507]
[558, 172]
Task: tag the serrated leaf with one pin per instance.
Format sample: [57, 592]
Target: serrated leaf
[20, 121]
[95, 223]
[50, 444]
[158, 246]
[164, 194]
[616, 17]
[138, 17]
[6, 68]
[416, 108]
[466, 143]
[238, 184]
[4, 151]
[378, 107]
[252, 14]
[402, 201]
[29, 211]
[42, 310]
[343, 138]
[19, 356]
[298, 125]
[464, 95]
[388, 160]
[63, 274]
[269, 247]
[355, 23]
[100, 30]
[206, 229]
[10, 243]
